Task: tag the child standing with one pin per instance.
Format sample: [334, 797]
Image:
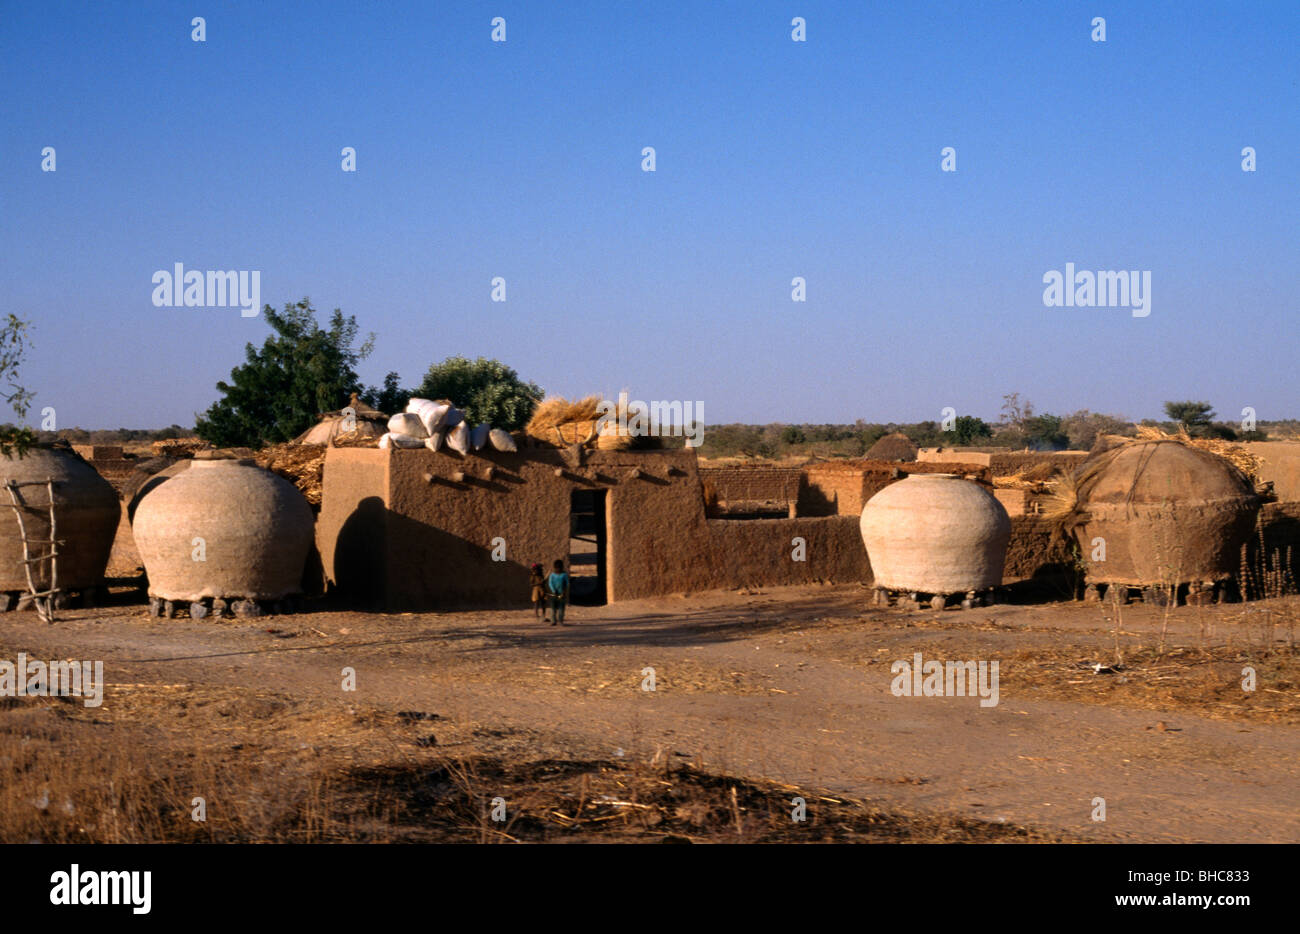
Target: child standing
[557, 584]
[537, 582]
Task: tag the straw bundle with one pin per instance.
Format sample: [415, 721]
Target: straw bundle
[1037, 478]
[559, 422]
[303, 465]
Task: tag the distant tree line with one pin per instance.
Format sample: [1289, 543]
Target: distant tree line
[115, 435]
[1020, 427]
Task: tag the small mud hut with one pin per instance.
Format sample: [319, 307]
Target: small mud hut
[893, 447]
[358, 422]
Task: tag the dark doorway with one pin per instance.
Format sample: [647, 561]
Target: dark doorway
[587, 548]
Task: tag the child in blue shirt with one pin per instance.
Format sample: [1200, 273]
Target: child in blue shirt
[557, 585]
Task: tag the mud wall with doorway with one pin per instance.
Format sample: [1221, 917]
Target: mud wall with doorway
[416, 530]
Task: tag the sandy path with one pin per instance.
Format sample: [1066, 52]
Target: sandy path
[745, 686]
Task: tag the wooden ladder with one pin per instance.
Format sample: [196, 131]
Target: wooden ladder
[43, 600]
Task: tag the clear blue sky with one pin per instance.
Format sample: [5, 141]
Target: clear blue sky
[775, 159]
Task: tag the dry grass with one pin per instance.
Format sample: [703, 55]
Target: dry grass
[557, 410]
[1199, 674]
[303, 465]
[558, 421]
[272, 769]
[1038, 478]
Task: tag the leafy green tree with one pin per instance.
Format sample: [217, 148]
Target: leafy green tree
[792, 434]
[967, 429]
[486, 390]
[1192, 416]
[390, 398]
[1046, 431]
[13, 345]
[926, 434]
[301, 371]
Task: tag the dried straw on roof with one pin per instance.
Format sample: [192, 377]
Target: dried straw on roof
[1234, 454]
[559, 422]
[303, 465]
[557, 410]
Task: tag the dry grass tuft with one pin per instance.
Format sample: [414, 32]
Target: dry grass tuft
[303, 465]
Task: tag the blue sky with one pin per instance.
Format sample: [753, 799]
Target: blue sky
[775, 159]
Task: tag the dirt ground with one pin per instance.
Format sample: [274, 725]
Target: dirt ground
[760, 698]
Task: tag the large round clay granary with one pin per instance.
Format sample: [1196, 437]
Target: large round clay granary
[86, 514]
[937, 534]
[223, 529]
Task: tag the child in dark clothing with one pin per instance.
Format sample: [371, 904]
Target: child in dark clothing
[537, 583]
[557, 585]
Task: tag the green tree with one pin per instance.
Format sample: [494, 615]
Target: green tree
[1046, 431]
[301, 371]
[1083, 428]
[967, 429]
[1192, 416]
[13, 345]
[390, 398]
[792, 434]
[486, 390]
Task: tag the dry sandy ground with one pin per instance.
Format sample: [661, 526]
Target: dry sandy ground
[792, 685]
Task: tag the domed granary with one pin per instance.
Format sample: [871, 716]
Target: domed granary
[222, 531]
[86, 514]
[935, 534]
[1161, 514]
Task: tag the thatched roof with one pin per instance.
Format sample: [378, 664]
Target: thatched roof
[893, 447]
[331, 427]
[369, 423]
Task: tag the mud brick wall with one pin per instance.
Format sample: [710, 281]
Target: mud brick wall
[842, 489]
[753, 484]
[840, 492]
[414, 530]
[1031, 553]
[1002, 463]
[756, 553]
[90, 452]
[954, 456]
[109, 461]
